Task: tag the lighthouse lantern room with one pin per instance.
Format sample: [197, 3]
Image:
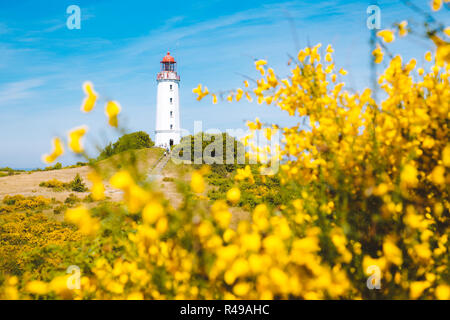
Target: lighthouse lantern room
[167, 132]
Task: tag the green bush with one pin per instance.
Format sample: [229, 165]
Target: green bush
[131, 141]
[77, 184]
[190, 143]
[57, 166]
[72, 199]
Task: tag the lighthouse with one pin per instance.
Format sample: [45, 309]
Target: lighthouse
[167, 132]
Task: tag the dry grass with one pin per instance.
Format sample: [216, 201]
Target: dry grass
[27, 184]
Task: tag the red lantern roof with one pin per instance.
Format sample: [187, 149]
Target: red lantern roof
[168, 58]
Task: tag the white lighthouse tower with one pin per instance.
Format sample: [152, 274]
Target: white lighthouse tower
[167, 131]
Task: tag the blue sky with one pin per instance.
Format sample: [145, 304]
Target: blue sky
[43, 64]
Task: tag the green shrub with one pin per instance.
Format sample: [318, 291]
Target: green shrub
[72, 199]
[57, 166]
[60, 209]
[132, 141]
[77, 184]
[207, 142]
[54, 184]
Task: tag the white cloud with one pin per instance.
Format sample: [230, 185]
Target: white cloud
[19, 90]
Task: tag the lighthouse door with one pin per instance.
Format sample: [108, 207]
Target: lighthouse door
[171, 142]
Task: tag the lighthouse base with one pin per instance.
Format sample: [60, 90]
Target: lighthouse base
[166, 139]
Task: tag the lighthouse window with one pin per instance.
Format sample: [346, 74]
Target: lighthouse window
[171, 126]
[170, 87]
[170, 100]
[171, 114]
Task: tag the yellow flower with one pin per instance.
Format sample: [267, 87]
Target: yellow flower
[201, 94]
[59, 285]
[197, 182]
[135, 296]
[386, 35]
[378, 54]
[402, 30]
[246, 83]
[392, 252]
[369, 261]
[75, 136]
[436, 5]
[112, 110]
[58, 150]
[442, 292]
[214, 97]
[428, 56]
[221, 214]
[251, 241]
[81, 217]
[446, 156]
[409, 175]
[328, 57]
[279, 277]
[37, 287]
[97, 189]
[259, 66]
[152, 212]
[233, 195]
[417, 287]
[329, 49]
[438, 175]
[239, 94]
[91, 97]
[329, 68]
[447, 31]
[260, 63]
[121, 180]
[241, 289]
[343, 72]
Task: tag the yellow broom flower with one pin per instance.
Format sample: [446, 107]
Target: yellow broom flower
[152, 212]
[402, 30]
[378, 54]
[91, 97]
[197, 182]
[112, 110]
[239, 94]
[81, 217]
[233, 195]
[386, 35]
[75, 139]
[58, 150]
[37, 287]
[97, 189]
[436, 5]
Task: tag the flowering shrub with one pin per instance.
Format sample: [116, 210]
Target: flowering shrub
[366, 186]
[20, 202]
[25, 241]
[76, 184]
